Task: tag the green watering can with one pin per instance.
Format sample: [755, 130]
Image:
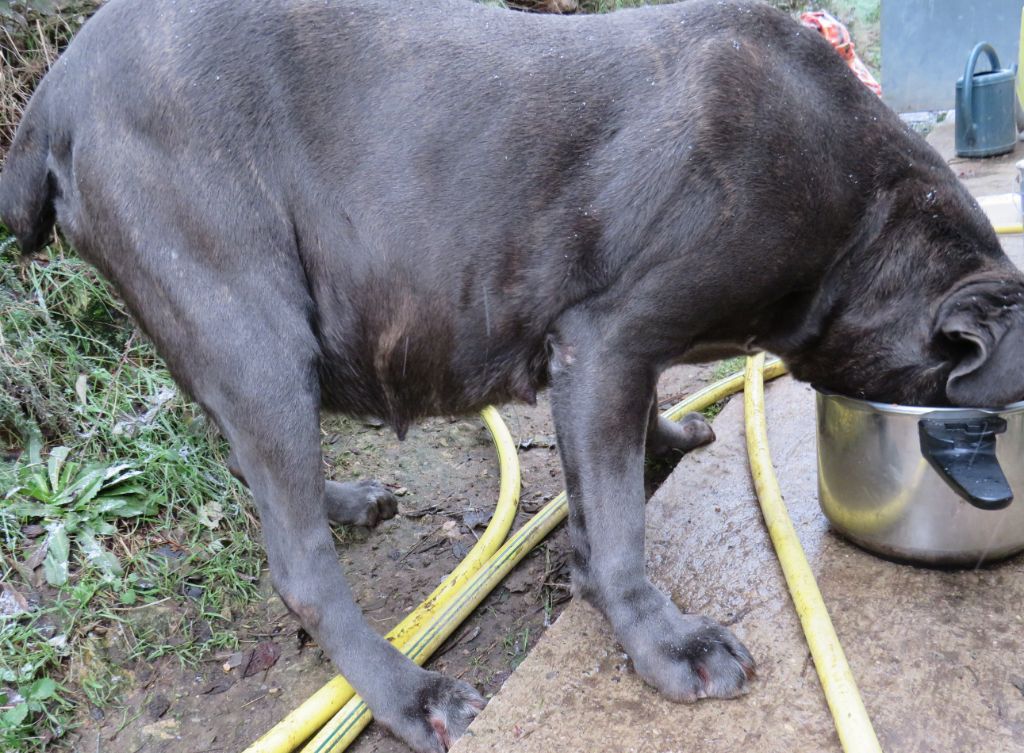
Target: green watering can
[985, 107]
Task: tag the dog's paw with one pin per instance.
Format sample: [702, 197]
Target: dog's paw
[439, 712]
[708, 661]
[359, 503]
[669, 437]
[688, 657]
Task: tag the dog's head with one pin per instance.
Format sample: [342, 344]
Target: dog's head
[922, 308]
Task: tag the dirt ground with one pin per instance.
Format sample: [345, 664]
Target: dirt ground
[446, 475]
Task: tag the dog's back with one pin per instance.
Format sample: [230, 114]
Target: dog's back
[438, 182]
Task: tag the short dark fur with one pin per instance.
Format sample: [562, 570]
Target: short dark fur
[409, 209]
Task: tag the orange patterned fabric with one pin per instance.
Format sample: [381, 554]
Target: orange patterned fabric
[839, 37]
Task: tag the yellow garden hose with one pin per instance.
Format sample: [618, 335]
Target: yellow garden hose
[851, 718]
[291, 731]
[346, 725]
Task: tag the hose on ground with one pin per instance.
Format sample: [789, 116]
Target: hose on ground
[851, 718]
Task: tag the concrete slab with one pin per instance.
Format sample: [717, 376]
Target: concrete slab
[939, 655]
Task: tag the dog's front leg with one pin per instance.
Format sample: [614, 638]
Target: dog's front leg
[602, 387]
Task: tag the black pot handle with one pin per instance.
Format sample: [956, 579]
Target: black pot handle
[962, 449]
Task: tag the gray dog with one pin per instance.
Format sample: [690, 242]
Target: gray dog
[406, 209]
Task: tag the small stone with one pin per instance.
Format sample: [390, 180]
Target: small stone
[450, 528]
[165, 729]
[233, 661]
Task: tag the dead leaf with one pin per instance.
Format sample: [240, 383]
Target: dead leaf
[211, 514]
[130, 425]
[165, 729]
[262, 658]
[373, 604]
[546, 441]
[413, 514]
[521, 580]
[476, 518]
[158, 706]
[31, 570]
[81, 388]
[36, 558]
[217, 686]
[12, 602]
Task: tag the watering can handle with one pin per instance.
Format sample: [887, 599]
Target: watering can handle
[971, 130]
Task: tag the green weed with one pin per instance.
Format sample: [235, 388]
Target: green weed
[516, 644]
[76, 504]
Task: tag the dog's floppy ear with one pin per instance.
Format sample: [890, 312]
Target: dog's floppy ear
[984, 325]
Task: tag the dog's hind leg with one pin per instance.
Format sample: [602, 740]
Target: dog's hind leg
[274, 432]
[214, 276]
[665, 437]
[236, 332]
[351, 503]
[602, 387]
[264, 394]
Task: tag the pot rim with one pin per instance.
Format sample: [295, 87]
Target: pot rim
[912, 410]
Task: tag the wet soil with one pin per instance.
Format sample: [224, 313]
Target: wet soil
[446, 476]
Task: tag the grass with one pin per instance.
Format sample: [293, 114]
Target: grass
[160, 547]
[516, 644]
[123, 538]
[31, 36]
[722, 370]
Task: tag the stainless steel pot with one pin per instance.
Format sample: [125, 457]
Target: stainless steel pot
[928, 485]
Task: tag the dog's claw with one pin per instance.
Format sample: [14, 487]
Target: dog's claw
[709, 662]
[451, 715]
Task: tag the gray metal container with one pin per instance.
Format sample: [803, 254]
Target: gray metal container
[986, 122]
[928, 485]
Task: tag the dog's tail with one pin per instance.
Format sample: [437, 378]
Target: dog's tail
[27, 188]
